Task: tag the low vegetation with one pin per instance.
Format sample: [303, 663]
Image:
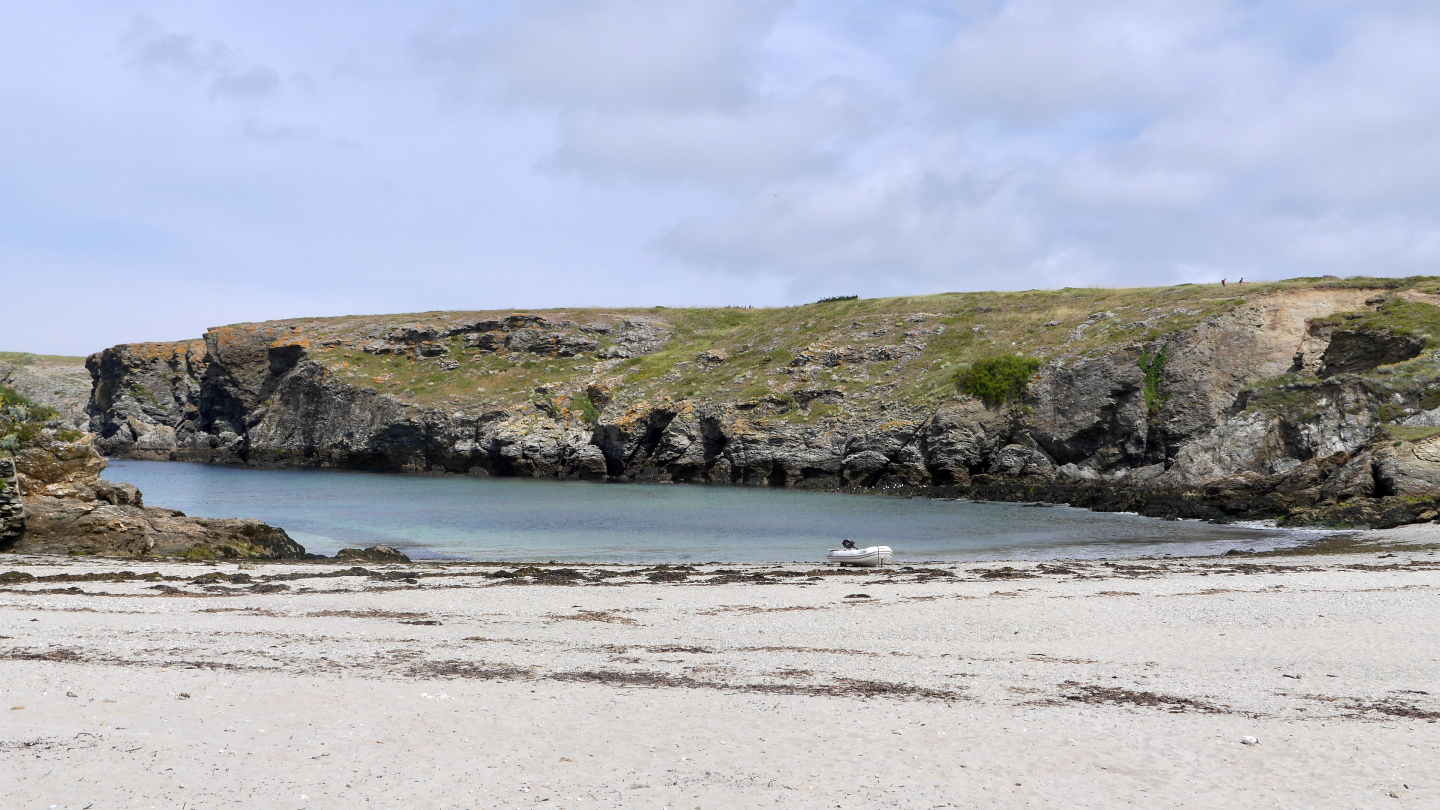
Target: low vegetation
[937, 334]
[997, 380]
[1154, 367]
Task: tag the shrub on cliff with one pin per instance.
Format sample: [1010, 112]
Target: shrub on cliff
[996, 380]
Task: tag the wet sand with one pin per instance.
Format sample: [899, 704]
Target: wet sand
[978, 685]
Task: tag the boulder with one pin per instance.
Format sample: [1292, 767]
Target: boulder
[1020, 461]
[68, 526]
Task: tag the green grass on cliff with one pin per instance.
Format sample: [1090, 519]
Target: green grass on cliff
[28, 359]
[1396, 316]
[956, 330]
[950, 331]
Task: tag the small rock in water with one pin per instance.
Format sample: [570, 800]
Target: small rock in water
[1248, 740]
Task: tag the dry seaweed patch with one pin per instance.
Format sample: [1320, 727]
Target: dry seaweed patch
[679, 648]
[911, 574]
[603, 616]
[369, 614]
[820, 650]
[1119, 696]
[757, 609]
[1393, 705]
[868, 688]
[843, 687]
[29, 654]
[1044, 658]
[348, 572]
[65, 656]
[1135, 571]
[733, 577]
[50, 743]
[1005, 572]
[1115, 593]
[20, 577]
[470, 669]
[719, 670]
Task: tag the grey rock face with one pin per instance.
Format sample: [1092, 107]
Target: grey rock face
[1018, 461]
[1413, 468]
[12, 505]
[1350, 351]
[1093, 409]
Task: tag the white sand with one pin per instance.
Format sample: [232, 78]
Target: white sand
[1104, 687]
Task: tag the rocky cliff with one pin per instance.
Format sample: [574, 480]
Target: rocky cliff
[52, 498]
[1312, 399]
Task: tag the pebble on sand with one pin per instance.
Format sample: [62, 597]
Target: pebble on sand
[1248, 740]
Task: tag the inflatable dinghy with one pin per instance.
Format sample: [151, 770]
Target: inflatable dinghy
[869, 557]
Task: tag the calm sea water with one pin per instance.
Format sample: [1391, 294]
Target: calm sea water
[525, 519]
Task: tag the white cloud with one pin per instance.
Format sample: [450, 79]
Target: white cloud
[1126, 142]
[151, 47]
[586, 53]
[768, 138]
[427, 154]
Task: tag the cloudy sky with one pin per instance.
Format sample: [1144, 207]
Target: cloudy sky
[168, 166]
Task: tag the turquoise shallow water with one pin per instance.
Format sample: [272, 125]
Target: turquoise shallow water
[525, 519]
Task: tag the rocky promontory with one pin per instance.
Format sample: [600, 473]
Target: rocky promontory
[53, 500]
[1311, 400]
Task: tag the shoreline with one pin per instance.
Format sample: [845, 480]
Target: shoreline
[796, 539]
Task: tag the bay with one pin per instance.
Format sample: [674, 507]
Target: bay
[514, 519]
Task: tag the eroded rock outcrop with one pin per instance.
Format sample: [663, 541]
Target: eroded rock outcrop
[67, 508]
[72, 526]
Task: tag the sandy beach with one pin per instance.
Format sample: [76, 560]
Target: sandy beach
[1068, 684]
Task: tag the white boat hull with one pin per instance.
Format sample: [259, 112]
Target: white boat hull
[870, 557]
